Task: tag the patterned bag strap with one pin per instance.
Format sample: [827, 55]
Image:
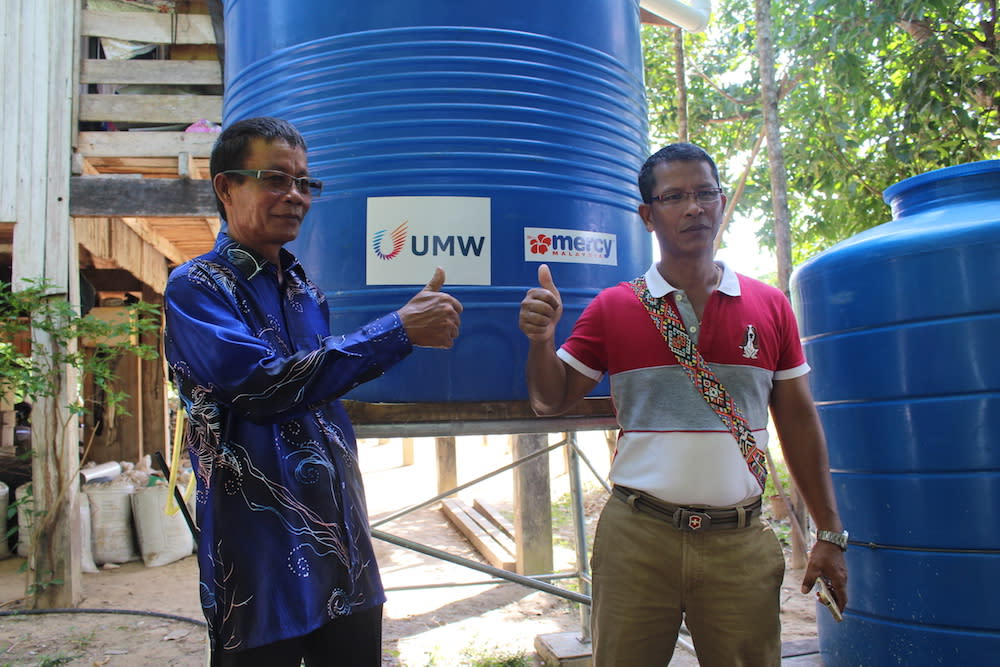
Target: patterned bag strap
[669, 323]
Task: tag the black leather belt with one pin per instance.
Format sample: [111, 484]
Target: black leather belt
[689, 518]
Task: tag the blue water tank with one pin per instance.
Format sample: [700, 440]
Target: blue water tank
[481, 137]
[901, 325]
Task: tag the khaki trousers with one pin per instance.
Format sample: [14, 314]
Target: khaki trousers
[649, 576]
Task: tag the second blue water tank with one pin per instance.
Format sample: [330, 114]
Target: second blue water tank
[901, 326]
[485, 138]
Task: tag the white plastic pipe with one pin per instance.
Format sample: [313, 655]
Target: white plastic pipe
[691, 16]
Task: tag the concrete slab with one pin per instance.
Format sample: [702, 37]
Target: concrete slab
[565, 649]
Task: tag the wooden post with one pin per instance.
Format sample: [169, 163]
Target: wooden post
[155, 413]
[447, 463]
[40, 71]
[408, 452]
[121, 434]
[532, 506]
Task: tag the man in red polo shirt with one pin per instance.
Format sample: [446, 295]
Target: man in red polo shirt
[681, 537]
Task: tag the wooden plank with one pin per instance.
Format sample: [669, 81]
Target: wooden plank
[149, 27]
[141, 197]
[493, 515]
[459, 514]
[63, 44]
[176, 72]
[146, 144]
[150, 167]
[487, 524]
[10, 33]
[32, 142]
[151, 108]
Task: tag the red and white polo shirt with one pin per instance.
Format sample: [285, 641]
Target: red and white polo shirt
[673, 445]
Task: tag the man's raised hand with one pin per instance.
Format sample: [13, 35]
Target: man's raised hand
[541, 308]
[431, 317]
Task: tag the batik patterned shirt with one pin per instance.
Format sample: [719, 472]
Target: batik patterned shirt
[285, 544]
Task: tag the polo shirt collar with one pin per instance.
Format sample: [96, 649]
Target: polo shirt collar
[658, 287]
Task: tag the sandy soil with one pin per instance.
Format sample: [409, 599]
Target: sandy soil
[458, 619]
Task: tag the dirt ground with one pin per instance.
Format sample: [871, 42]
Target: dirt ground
[456, 622]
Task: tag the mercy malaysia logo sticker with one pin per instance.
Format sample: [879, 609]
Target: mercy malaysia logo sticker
[542, 244]
[407, 237]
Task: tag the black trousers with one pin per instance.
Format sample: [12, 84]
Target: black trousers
[349, 641]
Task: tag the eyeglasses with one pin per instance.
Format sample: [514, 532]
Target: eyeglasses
[707, 196]
[279, 183]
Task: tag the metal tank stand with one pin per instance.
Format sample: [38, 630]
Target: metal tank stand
[448, 420]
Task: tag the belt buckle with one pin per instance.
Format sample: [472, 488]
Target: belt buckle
[686, 519]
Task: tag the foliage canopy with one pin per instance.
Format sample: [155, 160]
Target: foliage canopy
[872, 92]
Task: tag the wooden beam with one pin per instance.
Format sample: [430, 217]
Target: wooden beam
[146, 144]
[162, 245]
[151, 108]
[110, 238]
[112, 280]
[489, 411]
[141, 197]
[155, 410]
[160, 72]
[447, 463]
[149, 27]
[532, 506]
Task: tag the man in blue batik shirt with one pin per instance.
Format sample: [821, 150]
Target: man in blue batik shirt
[287, 566]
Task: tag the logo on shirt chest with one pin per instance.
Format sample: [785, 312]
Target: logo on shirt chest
[749, 346]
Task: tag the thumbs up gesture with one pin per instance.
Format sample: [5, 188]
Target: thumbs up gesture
[541, 308]
[431, 317]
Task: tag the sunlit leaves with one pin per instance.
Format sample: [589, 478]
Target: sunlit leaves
[874, 92]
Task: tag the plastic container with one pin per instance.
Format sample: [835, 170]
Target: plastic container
[482, 138]
[900, 325]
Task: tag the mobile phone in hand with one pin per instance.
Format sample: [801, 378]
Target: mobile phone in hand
[823, 593]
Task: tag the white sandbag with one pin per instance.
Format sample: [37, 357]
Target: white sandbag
[25, 519]
[87, 563]
[163, 538]
[111, 533]
[4, 504]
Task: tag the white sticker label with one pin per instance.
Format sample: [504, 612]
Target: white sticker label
[542, 244]
[407, 237]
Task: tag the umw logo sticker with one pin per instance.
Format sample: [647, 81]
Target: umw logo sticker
[398, 237]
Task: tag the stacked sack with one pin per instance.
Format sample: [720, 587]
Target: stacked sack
[128, 519]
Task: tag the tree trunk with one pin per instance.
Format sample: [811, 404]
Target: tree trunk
[55, 580]
[682, 100]
[775, 154]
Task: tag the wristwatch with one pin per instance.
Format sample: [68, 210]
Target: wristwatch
[840, 539]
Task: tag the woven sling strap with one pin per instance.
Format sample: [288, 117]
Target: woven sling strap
[669, 323]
